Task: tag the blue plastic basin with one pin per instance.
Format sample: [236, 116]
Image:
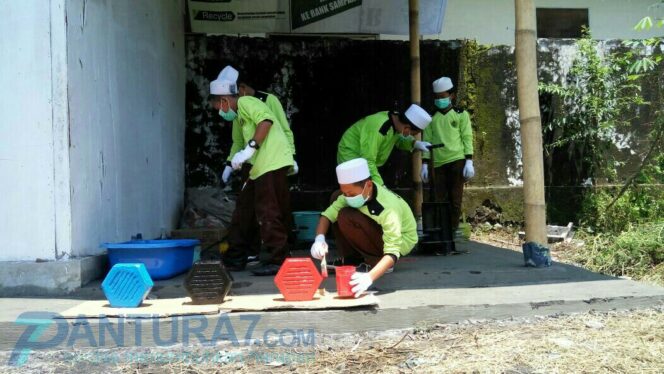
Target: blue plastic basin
[162, 258]
[306, 223]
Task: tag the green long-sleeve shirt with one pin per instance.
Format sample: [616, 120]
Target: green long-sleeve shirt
[277, 109]
[238, 141]
[274, 153]
[372, 138]
[275, 106]
[393, 215]
[452, 129]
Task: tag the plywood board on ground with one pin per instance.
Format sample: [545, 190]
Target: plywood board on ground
[149, 309]
[246, 303]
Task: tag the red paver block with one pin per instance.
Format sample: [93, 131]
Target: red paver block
[298, 279]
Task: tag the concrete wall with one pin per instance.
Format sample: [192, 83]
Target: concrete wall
[126, 95]
[34, 199]
[492, 21]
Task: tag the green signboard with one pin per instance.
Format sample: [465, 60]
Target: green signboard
[304, 12]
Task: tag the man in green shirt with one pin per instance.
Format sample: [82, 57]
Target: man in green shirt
[265, 193]
[370, 224]
[275, 106]
[272, 102]
[249, 226]
[373, 137]
[454, 162]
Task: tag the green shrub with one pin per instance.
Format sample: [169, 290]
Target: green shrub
[637, 253]
[637, 206]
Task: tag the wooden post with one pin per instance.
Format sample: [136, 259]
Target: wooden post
[415, 97]
[531, 123]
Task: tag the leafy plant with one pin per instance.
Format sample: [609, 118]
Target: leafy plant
[637, 253]
[638, 205]
[592, 103]
[644, 61]
[645, 55]
[631, 238]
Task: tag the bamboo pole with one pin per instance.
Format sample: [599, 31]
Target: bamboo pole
[531, 123]
[415, 97]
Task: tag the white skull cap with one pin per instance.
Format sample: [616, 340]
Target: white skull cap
[355, 170]
[418, 116]
[229, 73]
[442, 84]
[223, 87]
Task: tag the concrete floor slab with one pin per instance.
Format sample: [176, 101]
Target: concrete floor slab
[486, 283]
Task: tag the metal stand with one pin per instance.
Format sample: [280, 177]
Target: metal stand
[436, 223]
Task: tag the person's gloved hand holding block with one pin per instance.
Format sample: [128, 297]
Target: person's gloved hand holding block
[360, 283]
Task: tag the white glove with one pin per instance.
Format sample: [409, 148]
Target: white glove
[242, 157]
[425, 173]
[226, 175]
[422, 146]
[294, 169]
[319, 248]
[360, 282]
[468, 170]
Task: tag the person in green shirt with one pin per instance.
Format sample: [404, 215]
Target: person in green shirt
[374, 136]
[370, 223]
[454, 162]
[244, 89]
[249, 225]
[265, 193]
[275, 106]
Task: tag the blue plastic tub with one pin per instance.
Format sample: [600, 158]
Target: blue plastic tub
[306, 223]
[163, 258]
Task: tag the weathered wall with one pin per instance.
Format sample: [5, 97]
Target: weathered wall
[609, 19]
[327, 84]
[556, 60]
[126, 95]
[33, 152]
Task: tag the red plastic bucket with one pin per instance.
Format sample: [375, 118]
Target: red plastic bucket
[343, 274]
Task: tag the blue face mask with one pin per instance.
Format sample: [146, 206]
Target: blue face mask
[356, 201]
[442, 103]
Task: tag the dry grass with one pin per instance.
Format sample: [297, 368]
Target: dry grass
[623, 342]
[582, 344]
[504, 237]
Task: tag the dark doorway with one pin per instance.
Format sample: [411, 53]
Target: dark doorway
[561, 23]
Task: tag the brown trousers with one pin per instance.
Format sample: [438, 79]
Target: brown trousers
[245, 231]
[449, 188]
[262, 214]
[358, 236]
